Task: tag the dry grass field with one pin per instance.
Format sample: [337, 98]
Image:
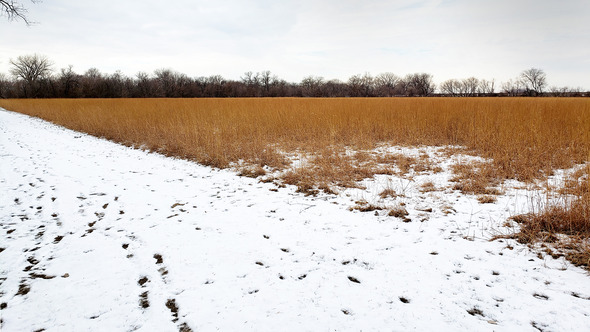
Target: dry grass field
[525, 139]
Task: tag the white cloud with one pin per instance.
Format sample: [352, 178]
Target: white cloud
[334, 39]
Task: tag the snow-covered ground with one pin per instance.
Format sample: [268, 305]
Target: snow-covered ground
[100, 237]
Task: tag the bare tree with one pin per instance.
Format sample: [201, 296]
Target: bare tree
[355, 85]
[334, 88]
[486, 87]
[470, 86]
[311, 86]
[418, 84]
[31, 69]
[451, 87]
[68, 81]
[267, 80]
[512, 88]
[4, 84]
[168, 82]
[215, 86]
[14, 10]
[386, 84]
[252, 83]
[534, 80]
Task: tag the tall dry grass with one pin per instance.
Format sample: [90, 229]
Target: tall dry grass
[525, 137]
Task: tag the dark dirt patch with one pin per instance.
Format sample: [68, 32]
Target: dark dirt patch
[345, 311]
[10, 231]
[143, 300]
[2, 249]
[541, 296]
[125, 245]
[163, 271]
[171, 305]
[184, 328]
[142, 281]
[32, 260]
[23, 289]
[353, 279]
[159, 259]
[574, 294]
[538, 326]
[475, 311]
[3, 305]
[57, 239]
[35, 275]
[404, 299]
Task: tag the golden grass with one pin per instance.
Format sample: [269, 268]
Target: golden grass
[525, 137]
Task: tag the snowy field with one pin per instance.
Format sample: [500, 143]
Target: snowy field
[100, 237]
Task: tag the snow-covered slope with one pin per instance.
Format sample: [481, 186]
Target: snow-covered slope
[99, 237]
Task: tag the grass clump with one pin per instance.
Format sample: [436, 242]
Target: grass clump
[570, 217]
[476, 178]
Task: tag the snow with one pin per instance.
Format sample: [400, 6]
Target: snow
[85, 221]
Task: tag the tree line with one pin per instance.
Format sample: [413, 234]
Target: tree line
[33, 76]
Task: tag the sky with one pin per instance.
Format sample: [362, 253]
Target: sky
[334, 39]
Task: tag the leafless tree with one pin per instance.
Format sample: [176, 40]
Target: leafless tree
[565, 91]
[486, 87]
[361, 85]
[534, 80]
[144, 86]
[470, 86]
[311, 86]
[169, 82]
[355, 86]
[512, 87]
[4, 85]
[451, 87]
[418, 84]
[252, 82]
[267, 81]
[215, 86]
[14, 10]
[334, 88]
[387, 84]
[31, 69]
[68, 81]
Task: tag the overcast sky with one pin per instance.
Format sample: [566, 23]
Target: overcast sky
[293, 39]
